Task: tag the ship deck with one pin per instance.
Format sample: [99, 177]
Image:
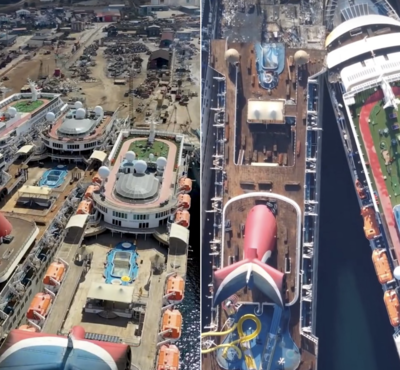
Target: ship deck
[246, 178]
[26, 110]
[379, 131]
[42, 217]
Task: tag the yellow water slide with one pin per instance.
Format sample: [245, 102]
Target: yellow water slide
[250, 363]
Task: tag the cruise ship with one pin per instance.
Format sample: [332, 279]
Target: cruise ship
[262, 135]
[86, 204]
[363, 62]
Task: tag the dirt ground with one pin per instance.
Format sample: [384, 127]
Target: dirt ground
[101, 89]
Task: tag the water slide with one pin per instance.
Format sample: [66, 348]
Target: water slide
[243, 338]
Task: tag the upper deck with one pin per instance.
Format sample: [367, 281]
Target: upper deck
[264, 151]
[24, 110]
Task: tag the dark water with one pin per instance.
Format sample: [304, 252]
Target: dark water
[352, 323]
[189, 344]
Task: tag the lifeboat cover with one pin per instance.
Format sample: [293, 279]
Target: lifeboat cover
[5, 226]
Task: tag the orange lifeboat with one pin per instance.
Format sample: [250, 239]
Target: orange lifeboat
[172, 325]
[185, 184]
[85, 207]
[40, 305]
[382, 268]
[97, 179]
[168, 358]
[54, 274]
[360, 190]
[393, 307]
[175, 287]
[371, 228]
[184, 201]
[90, 190]
[182, 218]
[30, 328]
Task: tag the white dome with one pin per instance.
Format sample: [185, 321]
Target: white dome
[130, 156]
[151, 156]
[104, 172]
[140, 166]
[98, 110]
[396, 272]
[78, 104]
[12, 111]
[232, 56]
[50, 116]
[80, 113]
[161, 162]
[301, 57]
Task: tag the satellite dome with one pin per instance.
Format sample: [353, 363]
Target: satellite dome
[12, 111]
[396, 272]
[78, 105]
[232, 56]
[161, 162]
[151, 156]
[98, 110]
[140, 167]
[50, 116]
[301, 58]
[80, 113]
[130, 156]
[5, 226]
[104, 172]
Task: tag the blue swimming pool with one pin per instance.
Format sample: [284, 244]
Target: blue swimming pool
[121, 266]
[54, 178]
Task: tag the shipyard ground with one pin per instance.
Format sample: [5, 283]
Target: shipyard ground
[246, 178]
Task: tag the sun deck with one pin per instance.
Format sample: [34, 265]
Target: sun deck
[169, 175]
[26, 114]
[380, 133]
[98, 130]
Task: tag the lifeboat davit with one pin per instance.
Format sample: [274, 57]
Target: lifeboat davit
[171, 325]
[182, 218]
[54, 275]
[382, 267]
[393, 307]
[29, 328]
[184, 201]
[168, 358]
[360, 190]
[175, 289]
[185, 184]
[39, 307]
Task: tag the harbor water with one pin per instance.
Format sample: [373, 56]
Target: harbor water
[189, 344]
[352, 322]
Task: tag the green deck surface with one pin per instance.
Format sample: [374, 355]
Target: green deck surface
[27, 106]
[142, 151]
[379, 121]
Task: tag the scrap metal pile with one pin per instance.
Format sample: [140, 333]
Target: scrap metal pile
[122, 58]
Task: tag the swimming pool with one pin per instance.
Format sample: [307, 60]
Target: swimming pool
[54, 178]
[121, 267]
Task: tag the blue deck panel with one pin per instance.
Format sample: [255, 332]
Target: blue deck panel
[284, 346]
[54, 178]
[129, 257]
[270, 64]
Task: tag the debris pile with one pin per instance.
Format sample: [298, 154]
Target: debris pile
[129, 48]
